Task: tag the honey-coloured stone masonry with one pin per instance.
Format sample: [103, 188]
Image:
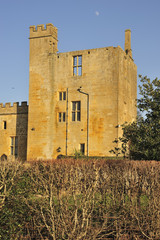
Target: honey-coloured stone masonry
[13, 130]
[76, 99]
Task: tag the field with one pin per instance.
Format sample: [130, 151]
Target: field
[83, 199]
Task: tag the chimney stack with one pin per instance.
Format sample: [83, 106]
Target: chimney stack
[127, 46]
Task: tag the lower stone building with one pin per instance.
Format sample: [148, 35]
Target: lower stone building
[76, 100]
[13, 130]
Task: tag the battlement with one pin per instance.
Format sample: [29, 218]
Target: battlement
[7, 108]
[41, 31]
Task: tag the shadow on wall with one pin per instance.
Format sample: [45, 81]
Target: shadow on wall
[21, 130]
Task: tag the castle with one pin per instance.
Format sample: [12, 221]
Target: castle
[76, 100]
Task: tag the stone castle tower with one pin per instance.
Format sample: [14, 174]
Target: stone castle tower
[43, 51]
[76, 99]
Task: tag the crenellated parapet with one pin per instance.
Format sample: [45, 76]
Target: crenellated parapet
[16, 108]
[43, 39]
[41, 31]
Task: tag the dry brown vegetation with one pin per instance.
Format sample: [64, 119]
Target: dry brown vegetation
[83, 199]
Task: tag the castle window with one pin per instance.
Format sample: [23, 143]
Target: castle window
[14, 146]
[62, 96]
[82, 148]
[62, 117]
[77, 65]
[4, 124]
[76, 111]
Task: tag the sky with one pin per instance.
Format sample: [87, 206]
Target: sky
[83, 24]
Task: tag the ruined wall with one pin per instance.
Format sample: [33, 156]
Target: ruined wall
[13, 124]
[57, 121]
[109, 77]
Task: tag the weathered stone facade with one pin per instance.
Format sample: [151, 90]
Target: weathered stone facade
[76, 99]
[13, 130]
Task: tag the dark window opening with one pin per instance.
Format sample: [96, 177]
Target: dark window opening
[4, 157]
[64, 96]
[73, 116]
[64, 117]
[82, 148]
[60, 96]
[4, 125]
[12, 150]
[60, 117]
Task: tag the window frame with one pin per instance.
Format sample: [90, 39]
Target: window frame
[14, 146]
[62, 96]
[61, 117]
[76, 111]
[77, 65]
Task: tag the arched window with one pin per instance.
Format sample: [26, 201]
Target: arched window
[4, 157]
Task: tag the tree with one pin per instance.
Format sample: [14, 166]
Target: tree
[143, 135]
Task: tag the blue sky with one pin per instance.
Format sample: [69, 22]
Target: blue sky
[82, 24]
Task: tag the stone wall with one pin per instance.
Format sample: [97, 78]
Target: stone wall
[13, 124]
[61, 119]
[108, 75]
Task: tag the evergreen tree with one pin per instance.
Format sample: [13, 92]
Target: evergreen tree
[143, 135]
